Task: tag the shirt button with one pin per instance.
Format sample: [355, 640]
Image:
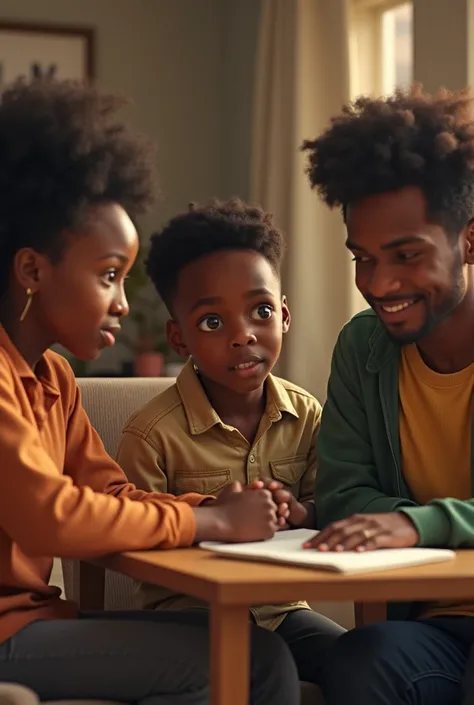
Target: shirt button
[252, 458]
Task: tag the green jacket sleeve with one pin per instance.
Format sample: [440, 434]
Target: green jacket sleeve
[347, 480]
[445, 523]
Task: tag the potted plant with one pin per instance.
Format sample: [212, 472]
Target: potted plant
[149, 344]
[147, 338]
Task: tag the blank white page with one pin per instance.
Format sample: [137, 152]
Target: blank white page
[286, 547]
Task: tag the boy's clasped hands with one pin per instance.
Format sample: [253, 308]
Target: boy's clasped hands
[258, 511]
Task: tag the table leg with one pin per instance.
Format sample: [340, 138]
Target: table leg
[369, 613]
[230, 655]
[91, 586]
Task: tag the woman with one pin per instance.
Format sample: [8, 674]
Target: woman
[72, 180]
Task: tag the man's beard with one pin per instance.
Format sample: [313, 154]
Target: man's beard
[437, 315]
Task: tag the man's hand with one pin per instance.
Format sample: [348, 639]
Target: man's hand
[236, 516]
[367, 532]
[290, 511]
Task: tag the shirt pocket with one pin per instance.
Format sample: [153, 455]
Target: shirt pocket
[289, 471]
[201, 481]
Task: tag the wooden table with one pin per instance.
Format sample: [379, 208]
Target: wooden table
[232, 586]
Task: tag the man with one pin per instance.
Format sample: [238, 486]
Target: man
[395, 465]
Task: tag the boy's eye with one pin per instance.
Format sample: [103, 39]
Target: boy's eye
[262, 312]
[210, 323]
[110, 276]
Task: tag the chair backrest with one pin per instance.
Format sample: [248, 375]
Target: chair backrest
[109, 403]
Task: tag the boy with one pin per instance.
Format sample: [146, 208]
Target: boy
[227, 419]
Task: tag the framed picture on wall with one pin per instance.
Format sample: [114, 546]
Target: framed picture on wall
[34, 50]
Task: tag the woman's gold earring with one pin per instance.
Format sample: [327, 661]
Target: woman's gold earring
[29, 294]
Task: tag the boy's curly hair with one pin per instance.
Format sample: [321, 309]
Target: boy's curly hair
[62, 150]
[203, 230]
[409, 139]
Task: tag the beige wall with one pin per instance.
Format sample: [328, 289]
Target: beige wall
[188, 67]
[239, 36]
[443, 43]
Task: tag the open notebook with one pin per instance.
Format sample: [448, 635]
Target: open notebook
[286, 547]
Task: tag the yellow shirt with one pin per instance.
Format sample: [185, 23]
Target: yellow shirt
[435, 436]
[178, 443]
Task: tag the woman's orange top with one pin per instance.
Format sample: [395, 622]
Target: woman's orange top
[60, 492]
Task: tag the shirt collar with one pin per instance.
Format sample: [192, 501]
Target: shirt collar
[382, 349]
[44, 372]
[199, 412]
[278, 399]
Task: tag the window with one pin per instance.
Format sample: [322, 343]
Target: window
[381, 46]
[397, 47]
[381, 57]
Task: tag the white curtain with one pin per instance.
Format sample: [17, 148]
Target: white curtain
[302, 80]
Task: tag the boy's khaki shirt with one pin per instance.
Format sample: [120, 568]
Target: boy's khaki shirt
[177, 443]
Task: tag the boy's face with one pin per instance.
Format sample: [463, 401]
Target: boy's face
[230, 317]
[408, 269]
